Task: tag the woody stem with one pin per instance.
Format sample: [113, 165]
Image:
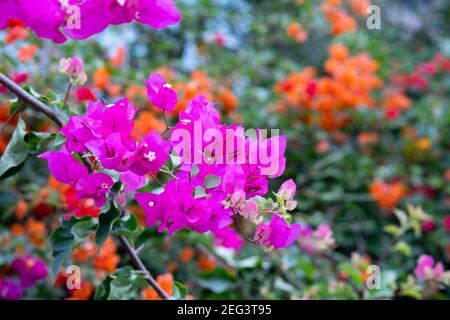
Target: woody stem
[34, 103]
[39, 106]
[140, 267]
[67, 93]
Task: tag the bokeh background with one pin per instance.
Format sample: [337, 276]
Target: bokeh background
[367, 116]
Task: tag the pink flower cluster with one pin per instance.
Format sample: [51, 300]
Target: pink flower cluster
[427, 270]
[316, 241]
[420, 78]
[206, 197]
[104, 132]
[58, 19]
[28, 270]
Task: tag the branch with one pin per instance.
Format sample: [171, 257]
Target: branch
[31, 101]
[140, 267]
[56, 118]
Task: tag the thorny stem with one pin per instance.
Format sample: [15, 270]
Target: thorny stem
[56, 118]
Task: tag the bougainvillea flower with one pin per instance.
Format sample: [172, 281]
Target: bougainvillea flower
[9, 290]
[29, 269]
[228, 238]
[176, 208]
[110, 151]
[78, 131]
[160, 93]
[287, 190]
[74, 68]
[132, 181]
[313, 241]
[95, 186]
[426, 270]
[277, 233]
[118, 117]
[150, 155]
[155, 13]
[45, 18]
[64, 167]
[51, 17]
[9, 9]
[250, 210]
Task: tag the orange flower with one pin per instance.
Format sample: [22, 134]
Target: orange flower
[227, 98]
[107, 259]
[16, 33]
[36, 231]
[367, 138]
[349, 84]
[165, 281]
[338, 52]
[27, 53]
[101, 78]
[360, 7]
[423, 144]
[146, 122]
[135, 91]
[84, 293]
[206, 264]
[17, 229]
[396, 100]
[186, 254]
[386, 194]
[84, 252]
[296, 32]
[21, 209]
[118, 57]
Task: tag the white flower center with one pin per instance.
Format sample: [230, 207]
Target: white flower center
[167, 85]
[150, 156]
[151, 204]
[104, 186]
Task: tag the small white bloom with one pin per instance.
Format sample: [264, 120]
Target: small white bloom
[150, 156]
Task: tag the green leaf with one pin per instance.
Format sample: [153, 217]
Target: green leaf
[199, 192]
[194, 171]
[179, 291]
[212, 181]
[64, 238]
[37, 140]
[16, 152]
[124, 284]
[127, 225]
[105, 224]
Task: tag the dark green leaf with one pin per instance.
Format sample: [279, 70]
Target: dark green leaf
[105, 224]
[16, 152]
